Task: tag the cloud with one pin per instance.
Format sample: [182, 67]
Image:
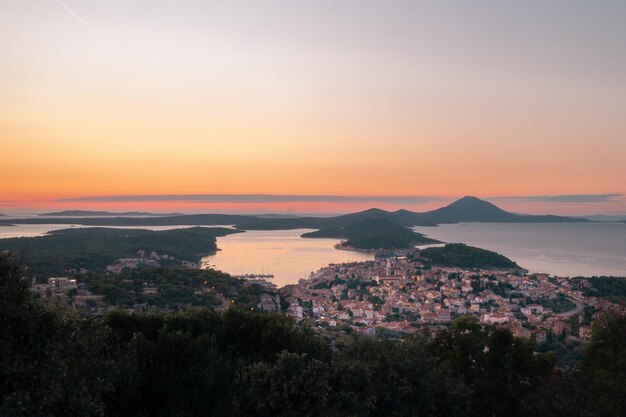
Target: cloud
[253, 198]
[567, 198]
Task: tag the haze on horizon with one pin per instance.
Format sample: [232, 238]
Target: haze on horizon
[522, 103]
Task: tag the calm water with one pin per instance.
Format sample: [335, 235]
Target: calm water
[29, 230]
[282, 253]
[32, 230]
[559, 248]
[564, 249]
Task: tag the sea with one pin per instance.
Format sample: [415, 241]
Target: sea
[282, 253]
[561, 249]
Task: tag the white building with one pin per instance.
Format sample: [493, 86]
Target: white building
[495, 318]
[296, 311]
[61, 283]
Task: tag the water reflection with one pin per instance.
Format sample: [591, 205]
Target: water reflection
[565, 249]
[282, 253]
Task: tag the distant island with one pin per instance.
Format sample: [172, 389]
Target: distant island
[472, 209]
[462, 256]
[375, 233]
[608, 218]
[467, 209]
[67, 213]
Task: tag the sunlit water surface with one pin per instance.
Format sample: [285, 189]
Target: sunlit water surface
[282, 253]
[564, 249]
[33, 230]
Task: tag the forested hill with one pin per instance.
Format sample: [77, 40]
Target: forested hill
[95, 248]
[463, 256]
[472, 209]
[377, 233]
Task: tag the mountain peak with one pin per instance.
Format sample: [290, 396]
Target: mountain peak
[474, 206]
[469, 209]
[374, 211]
[470, 199]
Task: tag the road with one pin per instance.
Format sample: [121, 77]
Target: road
[579, 308]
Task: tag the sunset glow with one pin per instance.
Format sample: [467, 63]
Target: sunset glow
[311, 98]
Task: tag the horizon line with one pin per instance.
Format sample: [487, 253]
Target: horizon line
[330, 198]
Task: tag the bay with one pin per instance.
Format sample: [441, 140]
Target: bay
[282, 253]
[562, 249]
[34, 230]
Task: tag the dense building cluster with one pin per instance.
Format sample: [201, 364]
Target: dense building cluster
[401, 294]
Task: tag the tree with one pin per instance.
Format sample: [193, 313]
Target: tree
[50, 359]
[501, 371]
[293, 386]
[604, 365]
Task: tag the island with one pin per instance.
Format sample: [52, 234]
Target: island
[89, 213]
[460, 255]
[372, 234]
[466, 209]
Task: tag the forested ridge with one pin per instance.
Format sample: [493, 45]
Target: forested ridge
[462, 256]
[196, 362]
[466, 209]
[94, 248]
[375, 233]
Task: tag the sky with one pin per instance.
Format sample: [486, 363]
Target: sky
[151, 103]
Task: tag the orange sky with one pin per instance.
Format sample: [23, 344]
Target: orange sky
[360, 98]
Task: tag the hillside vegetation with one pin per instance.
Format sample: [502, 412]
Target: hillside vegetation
[95, 248]
[177, 288]
[611, 288]
[463, 256]
[377, 233]
[200, 363]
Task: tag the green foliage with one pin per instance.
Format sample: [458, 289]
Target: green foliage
[500, 288]
[502, 370]
[463, 256]
[568, 352]
[604, 366]
[558, 304]
[293, 386]
[197, 362]
[175, 288]
[611, 288]
[95, 248]
[50, 359]
[374, 233]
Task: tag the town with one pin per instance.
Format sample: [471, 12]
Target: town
[394, 294]
[401, 295]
